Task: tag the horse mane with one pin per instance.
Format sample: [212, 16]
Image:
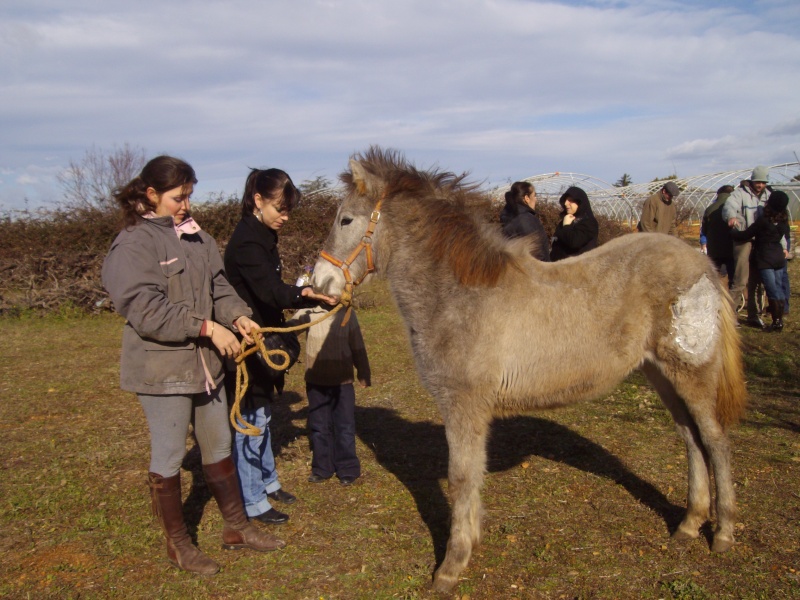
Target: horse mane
[442, 212]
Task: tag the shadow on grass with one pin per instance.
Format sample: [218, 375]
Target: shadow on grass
[199, 494]
[771, 363]
[282, 432]
[284, 413]
[416, 453]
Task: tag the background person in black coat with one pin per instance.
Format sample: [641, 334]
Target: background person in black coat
[519, 218]
[715, 235]
[577, 231]
[253, 266]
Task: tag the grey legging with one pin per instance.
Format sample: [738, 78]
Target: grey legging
[168, 418]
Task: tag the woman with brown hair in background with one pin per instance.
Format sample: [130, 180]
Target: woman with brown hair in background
[519, 218]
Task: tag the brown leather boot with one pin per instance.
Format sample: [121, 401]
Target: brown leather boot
[238, 532]
[168, 509]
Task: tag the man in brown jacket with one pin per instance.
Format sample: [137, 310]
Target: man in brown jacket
[659, 214]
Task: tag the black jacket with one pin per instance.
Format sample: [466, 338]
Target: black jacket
[253, 267]
[767, 251]
[581, 235]
[716, 230]
[519, 221]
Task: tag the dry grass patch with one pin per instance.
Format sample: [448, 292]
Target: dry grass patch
[579, 501]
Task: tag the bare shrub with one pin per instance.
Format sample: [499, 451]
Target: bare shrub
[52, 262]
[90, 182]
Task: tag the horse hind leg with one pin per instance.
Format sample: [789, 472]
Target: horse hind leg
[699, 496]
[691, 399]
[466, 440]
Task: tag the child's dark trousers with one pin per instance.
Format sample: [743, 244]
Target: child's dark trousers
[332, 430]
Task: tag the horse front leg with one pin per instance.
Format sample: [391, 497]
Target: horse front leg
[466, 440]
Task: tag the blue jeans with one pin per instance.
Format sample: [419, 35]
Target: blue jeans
[785, 286]
[773, 283]
[256, 463]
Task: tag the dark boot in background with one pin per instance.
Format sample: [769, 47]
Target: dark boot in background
[238, 532]
[777, 316]
[168, 509]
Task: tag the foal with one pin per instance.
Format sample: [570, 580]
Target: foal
[489, 333]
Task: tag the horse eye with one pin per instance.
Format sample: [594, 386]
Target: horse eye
[345, 221]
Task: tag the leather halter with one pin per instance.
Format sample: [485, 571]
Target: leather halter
[364, 245]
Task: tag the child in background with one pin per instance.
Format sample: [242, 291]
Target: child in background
[332, 352]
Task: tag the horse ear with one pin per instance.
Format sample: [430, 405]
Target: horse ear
[359, 176]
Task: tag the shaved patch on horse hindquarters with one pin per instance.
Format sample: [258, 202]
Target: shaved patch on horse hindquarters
[694, 321]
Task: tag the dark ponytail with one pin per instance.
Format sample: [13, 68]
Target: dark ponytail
[518, 191]
[271, 184]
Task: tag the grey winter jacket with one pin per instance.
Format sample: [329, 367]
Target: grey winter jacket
[166, 286]
[743, 205]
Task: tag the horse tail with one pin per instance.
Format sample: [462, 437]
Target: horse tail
[731, 390]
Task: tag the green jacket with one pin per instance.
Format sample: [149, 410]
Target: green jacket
[657, 216]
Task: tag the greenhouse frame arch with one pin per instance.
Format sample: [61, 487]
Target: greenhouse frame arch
[624, 204]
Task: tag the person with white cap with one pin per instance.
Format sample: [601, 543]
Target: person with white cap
[741, 210]
[659, 213]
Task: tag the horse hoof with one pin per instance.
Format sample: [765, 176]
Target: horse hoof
[684, 536]
[443, 584]
[721, 544]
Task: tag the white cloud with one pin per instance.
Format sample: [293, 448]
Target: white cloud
[501, 88]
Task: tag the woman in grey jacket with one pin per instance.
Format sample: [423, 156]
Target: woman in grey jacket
[165, 276]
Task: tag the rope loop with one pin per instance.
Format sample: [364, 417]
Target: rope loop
[242, 377]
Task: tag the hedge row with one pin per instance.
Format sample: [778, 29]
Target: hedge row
[52, 262]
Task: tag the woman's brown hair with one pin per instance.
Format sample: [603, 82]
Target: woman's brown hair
[162, 173]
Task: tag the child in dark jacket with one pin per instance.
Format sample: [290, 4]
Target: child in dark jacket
[769, 256]
[334, 347]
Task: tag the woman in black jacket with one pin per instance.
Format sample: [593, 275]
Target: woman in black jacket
[768, 254]
[253, 266]
[519, 218]
[577, 230]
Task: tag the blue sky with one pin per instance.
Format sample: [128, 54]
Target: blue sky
[504, 89]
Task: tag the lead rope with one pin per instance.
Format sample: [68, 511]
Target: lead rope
[242, 377]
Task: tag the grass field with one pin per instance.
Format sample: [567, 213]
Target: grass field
[580, 501]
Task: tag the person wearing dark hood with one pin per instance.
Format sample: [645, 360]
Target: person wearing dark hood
[577, 230]
[769, 257]
[519, 218]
